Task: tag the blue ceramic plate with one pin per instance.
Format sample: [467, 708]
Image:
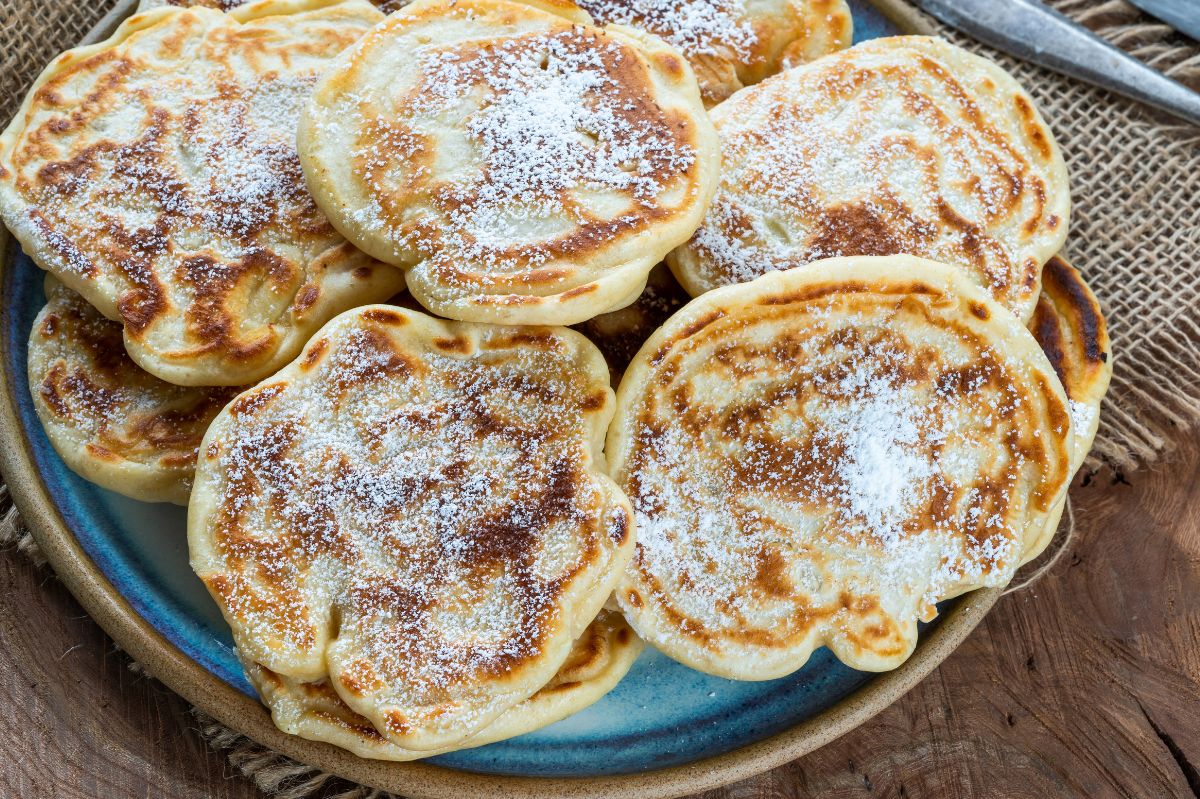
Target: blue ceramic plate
[662, 716]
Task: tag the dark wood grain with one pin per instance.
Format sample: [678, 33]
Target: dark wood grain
[1085, 685]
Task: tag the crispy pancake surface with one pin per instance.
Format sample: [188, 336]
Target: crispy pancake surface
[598, 660]
[898, 145]
[821, 455]
[156, 174]
[523, 165]
[734, 43]
[108, 419]
[417, 510]
[1070, 326]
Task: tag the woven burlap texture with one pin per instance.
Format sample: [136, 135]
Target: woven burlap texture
[1135, 234]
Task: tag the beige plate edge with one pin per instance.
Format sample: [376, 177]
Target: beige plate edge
[421, 780]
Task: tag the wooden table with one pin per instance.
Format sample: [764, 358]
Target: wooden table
[1087, 684]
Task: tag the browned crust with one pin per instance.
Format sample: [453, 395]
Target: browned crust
[1070, 327]
[91, 394]
[998, 220]
[863, 625]
[474, 398]
[175, 222]
[590, 234]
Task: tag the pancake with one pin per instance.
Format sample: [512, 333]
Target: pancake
[821, 455]
[598, 660]
[108, 419]
[899, 145]
[620, 334]
[523, 166]
[156, 174]
[734, 43]
[417, 510]
[1069, 325]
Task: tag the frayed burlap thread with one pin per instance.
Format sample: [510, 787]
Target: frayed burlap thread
[1135, 235]
[278, 776]
[13, 533]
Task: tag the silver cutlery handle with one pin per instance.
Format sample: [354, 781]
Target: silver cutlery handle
[1034, 32]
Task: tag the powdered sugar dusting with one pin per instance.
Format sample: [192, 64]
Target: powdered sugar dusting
[164, 181]
[783, 476]
[561, 147]
[205, 160]
[553, 127]
[882, 468]
[247, 148]
[695, 27]
[1083, 416]
[883, 149]
[427, 510]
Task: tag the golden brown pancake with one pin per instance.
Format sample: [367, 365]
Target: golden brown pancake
[1069, 325]
[522, 165]
[156, 174]
[735, 43]
[907, 145]
[599, 659]
[416, 510]
[820, 456]
[108, 419]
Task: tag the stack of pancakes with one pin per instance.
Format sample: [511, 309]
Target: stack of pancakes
[434, 533]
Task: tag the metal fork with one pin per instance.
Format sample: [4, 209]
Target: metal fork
[1034, 32]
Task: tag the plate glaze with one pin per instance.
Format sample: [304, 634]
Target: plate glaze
[664, 730]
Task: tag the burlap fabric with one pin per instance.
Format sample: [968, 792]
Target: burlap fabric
[1135, 234]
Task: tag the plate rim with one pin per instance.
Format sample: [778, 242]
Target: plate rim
[418, 780]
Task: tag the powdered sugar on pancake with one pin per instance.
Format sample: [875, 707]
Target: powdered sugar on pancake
[554, 124]
[869, 450]
[905, 145]
[157, 174]
[734, 43]
[698, 27]
[423, 521]
[599, 659]
[524, 166]
[826, 472]
[553, 127]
